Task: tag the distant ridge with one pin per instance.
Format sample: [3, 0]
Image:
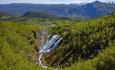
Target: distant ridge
[38, 15]
[90, 10]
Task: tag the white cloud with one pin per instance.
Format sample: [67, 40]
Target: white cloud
[50, 1]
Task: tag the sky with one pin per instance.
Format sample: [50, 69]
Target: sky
[50, 1]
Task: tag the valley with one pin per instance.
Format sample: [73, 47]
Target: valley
[87, 44]
[57, 36]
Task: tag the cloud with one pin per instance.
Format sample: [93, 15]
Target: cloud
[50, 1]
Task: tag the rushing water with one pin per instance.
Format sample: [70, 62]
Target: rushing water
[51, 43]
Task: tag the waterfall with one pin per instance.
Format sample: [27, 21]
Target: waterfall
[51, 43]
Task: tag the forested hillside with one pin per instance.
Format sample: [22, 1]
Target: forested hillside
[86, 45]
[83, 41]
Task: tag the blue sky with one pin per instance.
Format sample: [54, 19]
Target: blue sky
[50, 1]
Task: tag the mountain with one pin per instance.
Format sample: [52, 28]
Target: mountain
[90, 10]
[38, 15]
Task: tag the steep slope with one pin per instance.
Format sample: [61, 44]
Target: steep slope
[15, 49]
[82, 41]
